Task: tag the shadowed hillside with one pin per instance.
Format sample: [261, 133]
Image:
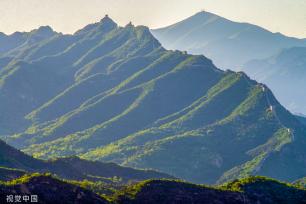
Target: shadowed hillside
[14, 164]
[251, 190]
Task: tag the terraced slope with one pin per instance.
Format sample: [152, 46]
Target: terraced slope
[114, 94]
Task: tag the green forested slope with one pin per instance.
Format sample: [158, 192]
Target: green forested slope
[112, 93]
[249, 190]
[14, 163]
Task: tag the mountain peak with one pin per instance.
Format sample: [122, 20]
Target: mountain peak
[107, 19]
[106, 23]
[43, 31]
[130, 24]
[205, 14]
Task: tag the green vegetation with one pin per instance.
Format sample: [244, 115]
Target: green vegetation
[301, 182]
[24, 179]
[240, 184]
[114, 94]
[98, 187]
[250, 190]
[260, 153]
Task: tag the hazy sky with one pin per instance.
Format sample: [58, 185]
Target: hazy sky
[286, 16]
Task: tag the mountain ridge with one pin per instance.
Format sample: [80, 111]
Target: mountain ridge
[14, 163]
[115, 94]
[214, 36]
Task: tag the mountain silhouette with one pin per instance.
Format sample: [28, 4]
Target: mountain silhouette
[229, 44]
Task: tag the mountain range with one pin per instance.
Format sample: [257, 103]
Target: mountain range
[229, 44]
[271, 58]
[114, 94]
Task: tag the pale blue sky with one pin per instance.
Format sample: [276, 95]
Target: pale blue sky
[286, 16]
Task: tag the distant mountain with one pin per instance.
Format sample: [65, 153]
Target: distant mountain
[229, 44]
[285, 74]
[114, 94]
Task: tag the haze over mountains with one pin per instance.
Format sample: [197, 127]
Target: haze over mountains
[285, 73]
[229, 44]
[113, 93]
[235, 46]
